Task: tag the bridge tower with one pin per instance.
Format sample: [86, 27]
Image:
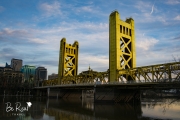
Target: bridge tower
[122, 53]
[68, 59]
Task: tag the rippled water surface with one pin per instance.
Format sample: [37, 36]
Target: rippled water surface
[24, 108]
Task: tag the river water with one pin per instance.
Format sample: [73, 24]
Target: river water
[29, 108]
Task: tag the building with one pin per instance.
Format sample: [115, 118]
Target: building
[122, 52]
[40, 75]
[16, 64]
[9, 78]
[7, 66]
[29, 72]
[52, 76]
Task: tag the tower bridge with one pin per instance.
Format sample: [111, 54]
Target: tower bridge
[122, 60]
[122, 81]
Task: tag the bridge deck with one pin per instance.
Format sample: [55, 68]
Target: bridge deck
[147, 85]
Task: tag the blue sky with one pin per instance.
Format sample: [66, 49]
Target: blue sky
[32, 29]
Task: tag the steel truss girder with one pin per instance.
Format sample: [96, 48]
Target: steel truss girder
[79, 79]
[153, 73]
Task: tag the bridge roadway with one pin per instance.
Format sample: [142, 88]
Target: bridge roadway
[109, 92]
[119, 85]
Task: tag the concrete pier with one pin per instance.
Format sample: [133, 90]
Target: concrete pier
[100, 94]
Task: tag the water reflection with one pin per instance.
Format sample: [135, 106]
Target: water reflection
[71, 109]
[20, 111]
[74, 110]
[161, 108]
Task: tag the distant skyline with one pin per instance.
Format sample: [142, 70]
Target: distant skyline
[31, 30]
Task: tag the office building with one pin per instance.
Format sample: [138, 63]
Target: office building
[40, 75]
[29, 72]
[16, 64]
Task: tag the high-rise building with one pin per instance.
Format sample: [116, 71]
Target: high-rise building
[29, 72]
[40, 75]
[16, 64]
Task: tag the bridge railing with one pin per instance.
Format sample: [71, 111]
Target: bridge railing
[120, 83]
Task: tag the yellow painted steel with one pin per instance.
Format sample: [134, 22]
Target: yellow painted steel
[84, 77]
[122, 53]
[153, 73]
[168, 72]
[68, 59]
[50, 82]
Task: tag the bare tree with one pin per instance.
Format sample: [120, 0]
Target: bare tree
[176, 59]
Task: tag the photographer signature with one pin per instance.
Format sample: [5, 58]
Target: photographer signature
[18, 107]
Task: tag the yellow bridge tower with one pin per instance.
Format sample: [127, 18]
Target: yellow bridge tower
[122, 53]
[68, 59]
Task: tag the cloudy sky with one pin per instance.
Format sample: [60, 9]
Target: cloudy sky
[31, 30]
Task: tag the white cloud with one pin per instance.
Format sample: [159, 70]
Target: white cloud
[145, 43]
[95, 62]
[145, 7]
[86, 10]
[63, 27]
[177, 17]
[149, 18]
[173, 2]
[14, 32]
[89, 9]
[86, 33]
[50, 9]
[152, 9]
[37, 40]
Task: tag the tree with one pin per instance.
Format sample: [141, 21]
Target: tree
[31, 80]
[176, 59]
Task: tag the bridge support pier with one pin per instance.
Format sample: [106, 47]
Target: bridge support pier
[63, 93]
[48, 90]
[70, 93]
[115, 95]
[52, 93]
[101, 94]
